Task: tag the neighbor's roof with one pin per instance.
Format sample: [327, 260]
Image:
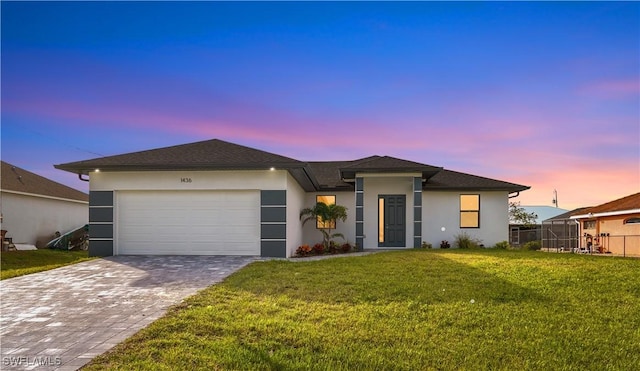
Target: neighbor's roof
[319, 175]
[569, 214]
[15, 179]
[624, 205]
[543, 212]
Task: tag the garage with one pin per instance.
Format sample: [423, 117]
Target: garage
[187, 222]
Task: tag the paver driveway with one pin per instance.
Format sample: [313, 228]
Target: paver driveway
[62, 318]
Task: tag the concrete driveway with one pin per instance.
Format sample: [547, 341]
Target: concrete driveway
[62, 318]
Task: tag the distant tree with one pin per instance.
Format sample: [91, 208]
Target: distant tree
[327, 215]
[518, 215]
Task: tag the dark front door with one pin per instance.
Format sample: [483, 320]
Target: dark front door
[391, 220]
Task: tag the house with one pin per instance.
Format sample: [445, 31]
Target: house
[34, 208]
[613, 227]
[219, 198]
[520, 234]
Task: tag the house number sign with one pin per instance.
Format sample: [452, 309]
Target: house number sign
[185, 180]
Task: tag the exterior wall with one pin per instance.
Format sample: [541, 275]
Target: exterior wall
[34, 220]
[192, 180]
[295, 202]
[622, 239]
[103, 183]
[311, 235]
[375, 186]
[442, 210]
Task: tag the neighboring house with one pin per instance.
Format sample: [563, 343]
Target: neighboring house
[520, 234]
[34, 208]
[220, 198]
[561, 232]
[612, 227]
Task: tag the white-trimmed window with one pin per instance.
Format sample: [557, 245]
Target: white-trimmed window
[469, 211]
[634, 220]
[589, 224]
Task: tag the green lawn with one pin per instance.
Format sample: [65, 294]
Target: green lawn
[19, 263]
[413, 310]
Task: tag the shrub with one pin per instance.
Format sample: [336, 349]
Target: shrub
[346, 247]
[532, 245]
[318, 248]
[426, 245]
[303, 250]
[463, 241]
[444, 244]
[333, 247]
[502, 245]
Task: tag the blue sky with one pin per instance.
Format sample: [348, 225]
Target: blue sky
[543, 94]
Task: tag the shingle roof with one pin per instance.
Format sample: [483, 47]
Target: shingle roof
[630, 202]
[210, 154]
[316, 175]
[20, 180]
[447, 179]
[387, 163]
[568, 214]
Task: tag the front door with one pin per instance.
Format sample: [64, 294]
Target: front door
[391, 220]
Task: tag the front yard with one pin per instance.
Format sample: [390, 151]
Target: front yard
[19, 263]
[473, 309]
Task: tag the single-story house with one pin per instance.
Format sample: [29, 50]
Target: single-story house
[219, 198]
[613, 227]
[34, 207]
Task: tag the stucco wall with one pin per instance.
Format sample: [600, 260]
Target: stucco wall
[34, 220]
[311, 235]
[442, 209]
[623, 239]
[295, 201]
[375, 186]
[191, 180]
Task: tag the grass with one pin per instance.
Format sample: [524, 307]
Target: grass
[19, 263]
[471, 309]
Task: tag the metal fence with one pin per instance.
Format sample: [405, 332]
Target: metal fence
[561, 235]
[519, 236]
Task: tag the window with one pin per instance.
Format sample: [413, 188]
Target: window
[469, 211]
[589, 224]
[327, 200]
[632, 221]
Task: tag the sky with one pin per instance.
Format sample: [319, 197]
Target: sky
[544, 94]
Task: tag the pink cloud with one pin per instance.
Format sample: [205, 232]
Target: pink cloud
[612, 89]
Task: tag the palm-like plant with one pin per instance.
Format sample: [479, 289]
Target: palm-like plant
[327, 214]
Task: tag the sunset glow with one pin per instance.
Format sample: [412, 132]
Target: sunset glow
[542, 94]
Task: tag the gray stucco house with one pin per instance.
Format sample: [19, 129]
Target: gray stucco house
[219, 198]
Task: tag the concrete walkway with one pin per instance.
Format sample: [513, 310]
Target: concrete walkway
[62, 318]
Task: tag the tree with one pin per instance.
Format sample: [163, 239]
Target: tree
[518, 215]
[327, 215]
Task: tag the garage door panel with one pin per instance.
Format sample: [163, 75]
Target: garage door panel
[189, 222]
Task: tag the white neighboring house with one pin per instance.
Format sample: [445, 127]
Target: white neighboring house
[219, 198]
[34, 208]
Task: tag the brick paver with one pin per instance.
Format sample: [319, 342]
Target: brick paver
[62, 318]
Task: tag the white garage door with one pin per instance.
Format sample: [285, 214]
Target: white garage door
[188, 223]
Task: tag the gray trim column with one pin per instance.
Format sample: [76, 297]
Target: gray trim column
[417, 212]
[101, 223]
[273, 224]
[360, 213]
